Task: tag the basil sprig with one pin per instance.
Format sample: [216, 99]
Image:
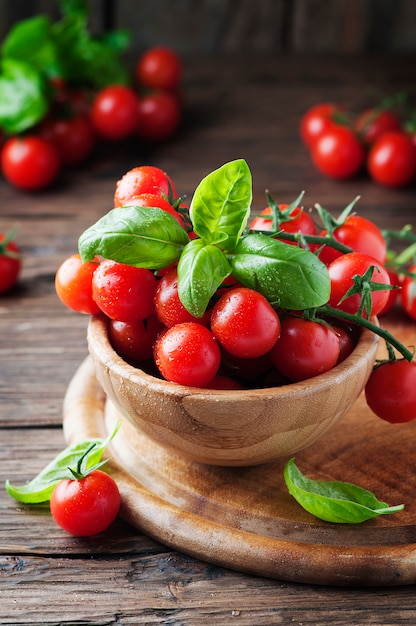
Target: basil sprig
[288, 276]
[40, 488]
[334, 501]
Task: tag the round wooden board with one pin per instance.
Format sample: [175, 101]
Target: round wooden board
[244, 518]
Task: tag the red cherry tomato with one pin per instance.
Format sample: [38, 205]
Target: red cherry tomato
[299, 221]
[188, 354]
[30, 162]
[305, 349]
[114, 112]
[73, 137]
[341, 272]
[244, 323]
[159, 68]
[73, 284]
[393, 293]
[159, 116]
[135, 341]
[169, 308]
[124, 292]
[317, 120]
[373, 123]
[86, 506]
[337, 153]
[391, 391]
[141, 180]
[10, 263]
[408, 292]
[159, 202]
[359, 234]
[392, 160]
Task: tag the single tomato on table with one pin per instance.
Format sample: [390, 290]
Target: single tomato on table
[30, 162]
[392, 159]
[391, 391]
[338, 153]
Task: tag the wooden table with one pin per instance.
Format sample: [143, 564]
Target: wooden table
[246, 108]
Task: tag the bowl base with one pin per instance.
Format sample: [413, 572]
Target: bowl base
[243, 517]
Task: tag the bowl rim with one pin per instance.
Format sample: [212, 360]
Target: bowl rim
[100, 347]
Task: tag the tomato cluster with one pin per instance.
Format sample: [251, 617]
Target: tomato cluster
[148, 109]
[377, 140]
[241, 340]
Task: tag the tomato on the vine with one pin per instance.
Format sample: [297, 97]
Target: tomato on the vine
[317, 119]
[373, 123]
[73, 137]
[391, 391]
[359, 234]
[73, 284]
[299, 221]
[341, 273]
[159, 116]
[408, 292]
[159, 68]
[30, 163]
[305, 348]
[114, 112]
[338, 153]
[188, 354]
[86, 506]
[245, 323]
[10, 262]
[140, 180]
[124, 292]
[394, 294]
[392, 159]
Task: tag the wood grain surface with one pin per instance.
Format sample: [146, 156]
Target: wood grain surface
[236, 107]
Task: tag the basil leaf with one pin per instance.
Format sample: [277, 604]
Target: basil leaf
[32, 40]
[201, 270]
[40, 488]
[288, 276]
[333, 501]
[22, 99]
[221, 203]
[139, 236]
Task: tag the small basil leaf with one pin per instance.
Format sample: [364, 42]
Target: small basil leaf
[40, 488]
[201, 270]
[139, 236]
[221, 204]
[288, 276]
[334, 501]
[22, 99]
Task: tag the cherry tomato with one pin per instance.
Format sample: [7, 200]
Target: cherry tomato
[114, 112]
[159, 116]
[372, 123]
[359, 234]
[341, 272]
[392, 159]
[73, 137]
[337, 153]
[10, 263]
[393, 293]
[305, 349]
[299, 221]
[135, 341]
[391, 391]
[140, 180]
[159, 202]
[245, 323]
[408, 292]
[316, 120]
[73, 284]
[188, 354]
[159, 68]
[224, 382]
[30, 162]
[124, 292]
[169, 308]
[86, 506]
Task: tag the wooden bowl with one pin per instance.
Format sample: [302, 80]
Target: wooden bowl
[230, 428]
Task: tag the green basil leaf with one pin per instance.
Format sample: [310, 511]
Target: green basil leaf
[31, 40]
[334, 501]
[22, 96]
[221, 204]
[288, 276]
[40, 488]
[141, 236]
[201, 270]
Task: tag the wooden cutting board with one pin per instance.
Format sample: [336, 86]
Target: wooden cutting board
[244, 518]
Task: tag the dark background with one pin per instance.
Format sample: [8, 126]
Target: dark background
[347, 27]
